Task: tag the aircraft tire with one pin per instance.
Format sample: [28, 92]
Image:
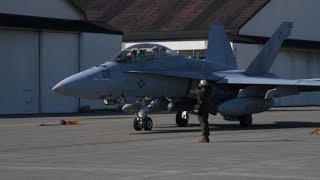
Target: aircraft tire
[246, 120]
[181, 121]
[137, 124]
[147, 124]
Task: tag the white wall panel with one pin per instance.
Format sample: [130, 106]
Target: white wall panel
[59, 59]
[19, 75]
[304, 14]
[43, 8]
[97, 49]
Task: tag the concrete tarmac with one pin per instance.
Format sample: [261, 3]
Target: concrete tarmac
[278, 146]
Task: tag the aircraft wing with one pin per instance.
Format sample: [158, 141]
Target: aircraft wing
[270, 87]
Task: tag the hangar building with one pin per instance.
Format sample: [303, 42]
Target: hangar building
[300, 57]
[183, 26]
[41, 43]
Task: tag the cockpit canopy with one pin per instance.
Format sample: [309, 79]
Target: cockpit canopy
[141, 52]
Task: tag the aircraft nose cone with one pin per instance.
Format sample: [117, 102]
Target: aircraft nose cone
[59, 88]
[82, 84]
[70, 86]
[77, 85]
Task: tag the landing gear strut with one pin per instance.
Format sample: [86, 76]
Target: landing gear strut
[182, 118]
[245, 121]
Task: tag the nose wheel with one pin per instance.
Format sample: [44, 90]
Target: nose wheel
[142, 123]
[137, 124]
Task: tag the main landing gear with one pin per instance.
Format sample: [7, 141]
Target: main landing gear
[244, 121]
[182, 118]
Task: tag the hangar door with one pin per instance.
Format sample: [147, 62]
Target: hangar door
[59, 59]
[19, 74]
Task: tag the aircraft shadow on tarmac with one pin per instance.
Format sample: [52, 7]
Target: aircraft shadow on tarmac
[257, 141]
[293, 110]
[233, 127]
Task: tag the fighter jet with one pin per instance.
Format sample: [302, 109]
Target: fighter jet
[145, 76]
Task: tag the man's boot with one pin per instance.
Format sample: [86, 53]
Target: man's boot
[204, 139]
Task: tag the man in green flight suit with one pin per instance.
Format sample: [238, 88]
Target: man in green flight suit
[203, 96]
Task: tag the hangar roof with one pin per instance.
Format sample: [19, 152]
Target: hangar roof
[170, 19]
[28, 19]
[11, 20]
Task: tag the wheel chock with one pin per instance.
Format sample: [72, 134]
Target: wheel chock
[316, 132]
[63, 122]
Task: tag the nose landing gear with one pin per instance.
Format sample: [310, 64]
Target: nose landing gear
[142, 123]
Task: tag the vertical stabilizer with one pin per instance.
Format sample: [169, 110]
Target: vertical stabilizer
[264, 60]
[219, 48]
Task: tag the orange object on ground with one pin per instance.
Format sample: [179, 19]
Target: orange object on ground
[316, 132]
[73, 122]
[70, 122]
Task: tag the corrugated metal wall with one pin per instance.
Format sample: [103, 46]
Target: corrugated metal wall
[33, 62]
[59, 59]
[19, 75]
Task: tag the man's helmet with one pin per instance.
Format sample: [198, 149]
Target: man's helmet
[203, 83]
